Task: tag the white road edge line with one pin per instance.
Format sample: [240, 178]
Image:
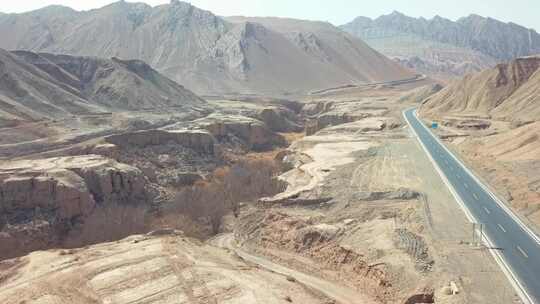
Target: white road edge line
[506, 269]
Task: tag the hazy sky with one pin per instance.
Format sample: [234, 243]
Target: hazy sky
[524, 12]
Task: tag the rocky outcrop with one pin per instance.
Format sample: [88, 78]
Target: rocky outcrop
[321, 115]
[316, 108]
[250, 132]
[335, 118]
[42, 200]
[332, 119]
[201, 141]
[280, 120]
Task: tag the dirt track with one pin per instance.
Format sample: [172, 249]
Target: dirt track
[333, 290]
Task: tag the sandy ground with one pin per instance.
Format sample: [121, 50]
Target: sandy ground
[326, 153]
[143, 269]
[344, 161]
[340, 293]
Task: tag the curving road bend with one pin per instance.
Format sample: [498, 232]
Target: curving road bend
[332, 290]
[515, 247]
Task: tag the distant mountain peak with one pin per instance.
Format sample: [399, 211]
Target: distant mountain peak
[53, 9]
[499, 40]
[131, 5]
[475, 16]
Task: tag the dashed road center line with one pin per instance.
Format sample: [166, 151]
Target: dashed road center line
[522, 252]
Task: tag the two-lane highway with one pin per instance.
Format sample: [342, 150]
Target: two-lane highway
[514, 246]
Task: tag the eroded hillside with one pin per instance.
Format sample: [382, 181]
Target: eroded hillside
[204, 52]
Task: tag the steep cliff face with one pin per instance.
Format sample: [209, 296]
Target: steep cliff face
[508, 91]
[248, 132]
[200, 141]
[43, 200]
[442, 47]
[204, 52]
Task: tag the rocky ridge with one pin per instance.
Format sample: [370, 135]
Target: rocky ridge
[446, 48]
[204, 52]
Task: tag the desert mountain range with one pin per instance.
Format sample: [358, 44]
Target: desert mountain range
[445, 48]
[44, 86]
[168, 155]
[204, 52]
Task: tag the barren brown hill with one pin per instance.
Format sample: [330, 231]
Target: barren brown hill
[508, 92]
[43, 86]
[202, 51]
[520, 144]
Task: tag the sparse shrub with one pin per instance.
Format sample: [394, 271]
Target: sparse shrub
[108, 223]
[211, 200]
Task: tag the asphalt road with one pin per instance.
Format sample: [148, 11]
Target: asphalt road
[515, 247]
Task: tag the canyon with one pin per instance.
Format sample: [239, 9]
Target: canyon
[166, 154]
